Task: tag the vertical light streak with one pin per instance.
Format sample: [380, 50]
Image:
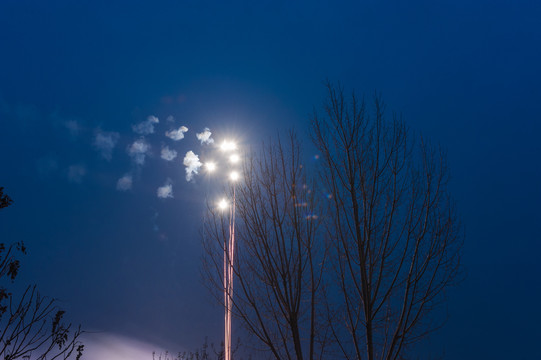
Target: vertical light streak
[226, 297]
[229, 251]
[230, 273]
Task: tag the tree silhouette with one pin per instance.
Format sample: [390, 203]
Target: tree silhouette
[354, 274]
[31, 326]
[279, 266]
[392, 225]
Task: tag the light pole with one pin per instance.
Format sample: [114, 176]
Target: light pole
[229, 247]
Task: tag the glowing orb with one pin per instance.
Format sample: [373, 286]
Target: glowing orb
[235, 158]
[223, 204]
[228, 146]
[234, 176]
[210, 166]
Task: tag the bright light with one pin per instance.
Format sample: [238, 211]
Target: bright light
[210, 166]
[223, 204]
[234, 176]
[228, 146]
[235, 158]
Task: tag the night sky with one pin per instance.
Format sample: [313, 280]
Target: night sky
[79, 80]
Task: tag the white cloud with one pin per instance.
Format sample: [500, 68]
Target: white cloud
[165, 191]
[105, 142]
[170, 119]
[192, 163]
[138, 151]
[76, 173]
[168, 154]
[146, 127]
[204, 137]
[124, 183]
[176, 134]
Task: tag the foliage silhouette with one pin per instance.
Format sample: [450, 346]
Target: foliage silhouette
[31, 326]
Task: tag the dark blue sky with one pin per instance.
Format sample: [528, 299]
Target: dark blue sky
[463, 73]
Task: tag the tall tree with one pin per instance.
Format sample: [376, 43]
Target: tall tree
[392, 225]
[31, 326]
[279, 259]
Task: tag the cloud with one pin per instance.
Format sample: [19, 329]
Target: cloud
[176, 134]
[146, 127]
[170, 119]
[192, 163]
[74, 127]
[168, 154]
[139, 150]
[76, 173]
[105, 142]
[124, 183]
[166, 191]
[204, 137]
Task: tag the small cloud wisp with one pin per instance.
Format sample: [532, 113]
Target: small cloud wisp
[105, 143]
[76, 173]
[146, 127]
[204, 137]
[138, 151]
[124, 183]
[176, 134]
[165, 191]
[168, 154]
[74, 127]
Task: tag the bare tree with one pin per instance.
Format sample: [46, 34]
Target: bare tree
[31, 326]
[392, 225]
[279, 259]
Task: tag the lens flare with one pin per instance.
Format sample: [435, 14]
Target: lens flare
[228, 146]
[223, 204]
[210, 166]
[235, 158]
